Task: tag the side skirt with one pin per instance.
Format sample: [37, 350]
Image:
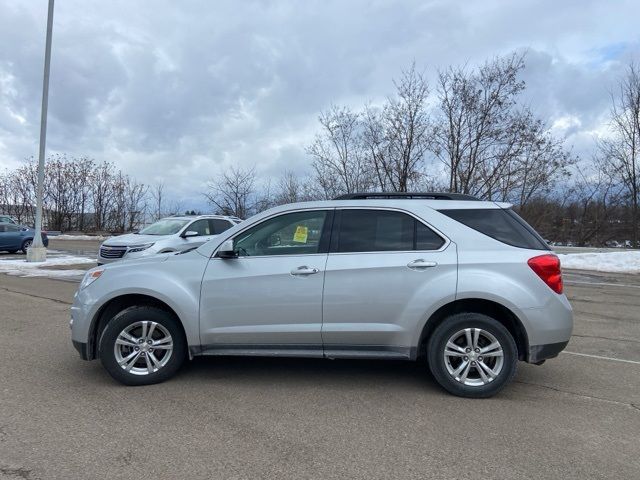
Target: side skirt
[307, 351]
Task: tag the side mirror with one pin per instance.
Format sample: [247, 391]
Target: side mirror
[190, 233]
[226, 250]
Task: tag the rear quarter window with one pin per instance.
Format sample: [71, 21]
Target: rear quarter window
[500, 224]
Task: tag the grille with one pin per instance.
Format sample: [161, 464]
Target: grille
[112, 252]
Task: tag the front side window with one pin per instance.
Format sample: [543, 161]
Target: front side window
[383, 230]
[296, 233]
[200, 226]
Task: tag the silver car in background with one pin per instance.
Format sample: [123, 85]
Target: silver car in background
[465, 286]
[171, 234]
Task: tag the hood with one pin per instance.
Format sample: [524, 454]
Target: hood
[137, 262]
[133, 239]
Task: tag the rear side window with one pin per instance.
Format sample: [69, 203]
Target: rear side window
[503, 225]
[382, 230]
[219, 225]
[427, 239]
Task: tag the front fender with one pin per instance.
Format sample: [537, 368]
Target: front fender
[174, 281]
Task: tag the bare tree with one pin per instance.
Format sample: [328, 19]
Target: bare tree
[234, 193]
[491, 147]
[475, 125]
[102, 194]
[292, 188]
[339, 161]
[622, 152]
[532, 167]
[82, 171]
[157, 194]
[135, 203]
[397, 136]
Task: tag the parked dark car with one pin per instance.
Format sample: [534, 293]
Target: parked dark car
[16, 237]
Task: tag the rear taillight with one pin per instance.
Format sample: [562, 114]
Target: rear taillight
[547, 267]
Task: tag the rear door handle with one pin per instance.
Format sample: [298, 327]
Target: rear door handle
[304, 271]
[421, 264]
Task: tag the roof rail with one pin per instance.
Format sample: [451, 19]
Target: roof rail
[407, 195]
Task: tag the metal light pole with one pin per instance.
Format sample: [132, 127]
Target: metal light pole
[37, 252]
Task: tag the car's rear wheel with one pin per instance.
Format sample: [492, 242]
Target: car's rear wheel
[25, 245]
[472, 355]
[142, 345]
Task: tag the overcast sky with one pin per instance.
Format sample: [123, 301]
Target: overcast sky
[175, 91]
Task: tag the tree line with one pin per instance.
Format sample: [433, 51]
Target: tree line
[79, 194]
[470, 132]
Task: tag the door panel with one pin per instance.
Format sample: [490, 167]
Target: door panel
[270, 295]
[253, 301]
[10, 237]
[380, 299]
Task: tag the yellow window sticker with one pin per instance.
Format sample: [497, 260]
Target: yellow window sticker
[301, 234]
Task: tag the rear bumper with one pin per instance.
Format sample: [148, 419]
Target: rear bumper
[539, 353]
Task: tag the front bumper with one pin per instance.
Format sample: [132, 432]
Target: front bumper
[540, 353]
[82, 311]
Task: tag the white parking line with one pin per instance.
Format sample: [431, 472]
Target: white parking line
[572, 282]
[601, 357]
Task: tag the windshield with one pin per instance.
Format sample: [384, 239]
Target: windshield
[168, 226]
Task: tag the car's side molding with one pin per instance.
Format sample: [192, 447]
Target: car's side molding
[307, 350]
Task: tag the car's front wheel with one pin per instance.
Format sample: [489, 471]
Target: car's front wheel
[472, 355]
[142, 345]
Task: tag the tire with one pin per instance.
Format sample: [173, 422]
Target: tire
[449, 369]
[148, 364]
[26, 244]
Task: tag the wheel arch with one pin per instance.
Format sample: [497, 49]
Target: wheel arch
[490, 308]
[117, 304]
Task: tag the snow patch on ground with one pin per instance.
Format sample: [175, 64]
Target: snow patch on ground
[80, 237]
[23, 268]
[615, 262]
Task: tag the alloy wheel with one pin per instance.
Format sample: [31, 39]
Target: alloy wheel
[143, 347]
[473, 357]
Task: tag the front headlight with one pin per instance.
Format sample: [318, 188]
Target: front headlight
[90, 277]
[139, 248]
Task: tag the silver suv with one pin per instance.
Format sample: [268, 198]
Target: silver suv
[171, 234]
[465, 286]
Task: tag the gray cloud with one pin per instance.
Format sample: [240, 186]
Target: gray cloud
[176, 91]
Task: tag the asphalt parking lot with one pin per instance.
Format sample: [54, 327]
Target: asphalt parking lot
[577, 416]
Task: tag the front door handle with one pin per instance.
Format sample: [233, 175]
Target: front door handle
[304, 271]
[421, 264]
